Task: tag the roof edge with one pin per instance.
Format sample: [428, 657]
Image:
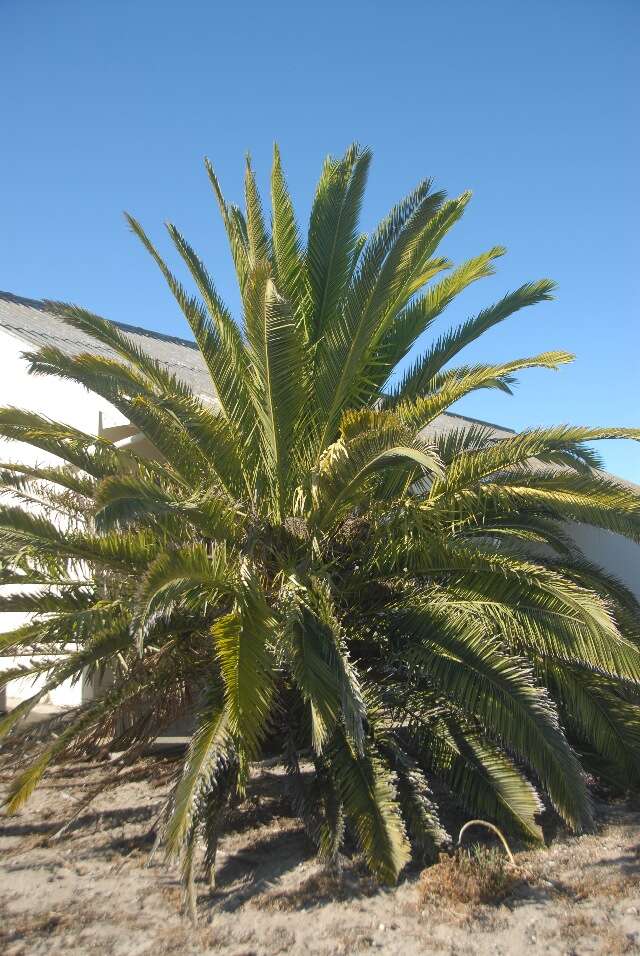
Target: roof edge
[40, 305]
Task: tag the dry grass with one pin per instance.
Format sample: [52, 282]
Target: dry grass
[591, 886]
[476, 876]
[353, 941]
[577, 928]
[33, 926]
[618, 943]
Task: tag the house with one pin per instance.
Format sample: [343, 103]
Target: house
[25, 325]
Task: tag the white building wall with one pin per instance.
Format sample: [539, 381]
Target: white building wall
[618, 556]
[62, 401]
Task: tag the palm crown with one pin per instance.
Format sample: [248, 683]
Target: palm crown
[313, 561]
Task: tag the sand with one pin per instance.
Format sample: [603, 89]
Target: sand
[92, 891]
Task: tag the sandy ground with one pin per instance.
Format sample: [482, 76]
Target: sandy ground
[91, 891]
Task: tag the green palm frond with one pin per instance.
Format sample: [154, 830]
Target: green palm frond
[24, 529]
[95, 456]
[287, 252]
[126, 501]
[592, 499]
[516, 450]
[143, 410]
[601, 717]
[243, 646]
[484, 779]
[451, 344]
[278, 390]
[235, 227]
[532, 605]
[421, 313]
[316, 653]
[71, 666]
[378, 292]
[194, 577]
[459, 657]
[333, 236]
[367, 790]
[258, 240]
[418, 804]
[116, 338]
[347, 465]
[443, 391]
[207, 751]
[64, 476]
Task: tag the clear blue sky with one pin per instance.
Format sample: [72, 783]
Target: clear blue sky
[532, 105]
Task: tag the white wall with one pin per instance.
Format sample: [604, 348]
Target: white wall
[62, 401]
[615, 554]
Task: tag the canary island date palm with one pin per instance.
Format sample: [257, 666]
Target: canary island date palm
[310, 562]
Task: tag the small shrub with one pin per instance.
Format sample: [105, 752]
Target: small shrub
[478, 875]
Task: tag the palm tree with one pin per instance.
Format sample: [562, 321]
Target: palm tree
[312, 562]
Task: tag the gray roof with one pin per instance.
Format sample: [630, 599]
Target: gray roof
[29, 321]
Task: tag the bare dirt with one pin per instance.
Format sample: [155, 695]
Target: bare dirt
[92, 891]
